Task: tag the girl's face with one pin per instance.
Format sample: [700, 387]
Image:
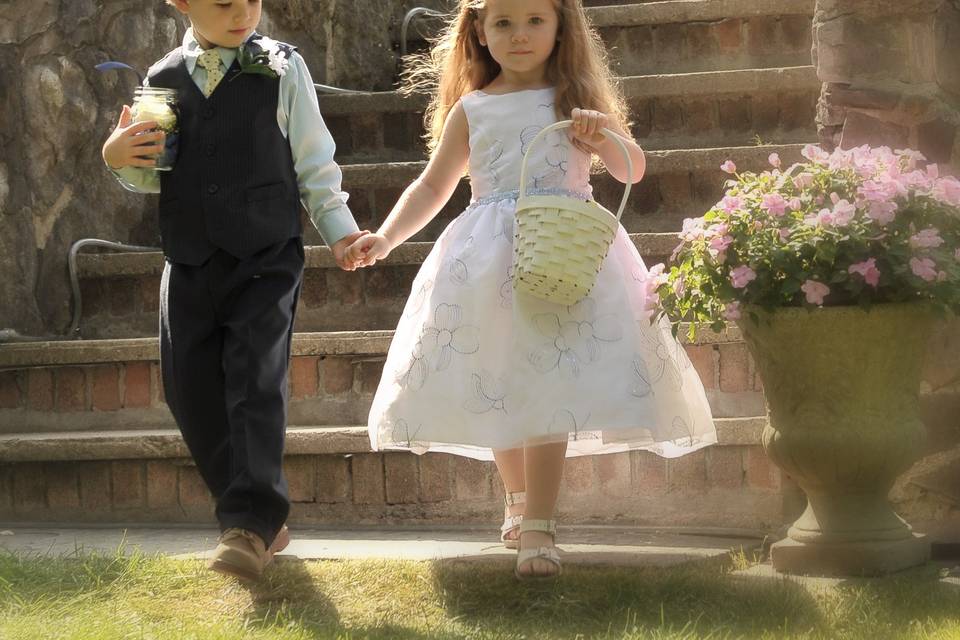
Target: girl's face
[520, 34]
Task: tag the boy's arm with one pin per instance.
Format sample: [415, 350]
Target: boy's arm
[312, 146]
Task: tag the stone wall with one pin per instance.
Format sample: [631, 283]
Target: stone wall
[891, 74]
[56, 111]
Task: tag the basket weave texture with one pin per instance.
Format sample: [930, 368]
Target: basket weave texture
[561, 242]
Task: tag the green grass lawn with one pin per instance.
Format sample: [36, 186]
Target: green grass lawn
[104, 597]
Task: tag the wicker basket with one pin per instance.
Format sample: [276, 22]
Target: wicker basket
[561, 242]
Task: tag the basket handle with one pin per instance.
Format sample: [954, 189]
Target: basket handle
[566, 123]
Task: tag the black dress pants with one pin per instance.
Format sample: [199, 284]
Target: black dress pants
[225, 331]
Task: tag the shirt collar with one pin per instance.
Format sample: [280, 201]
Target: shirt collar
[192, 51]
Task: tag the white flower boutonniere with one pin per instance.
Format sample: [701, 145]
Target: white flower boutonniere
[265, 56]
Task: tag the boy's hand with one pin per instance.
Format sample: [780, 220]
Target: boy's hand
[339, 250]
[367, 250]
[128, 145]
[587, 125]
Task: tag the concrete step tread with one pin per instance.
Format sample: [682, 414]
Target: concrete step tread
[134, 444]
[320, 343]
[386, 174]
[702, 83]
[112, 265]
[602, 545]
[674, 11]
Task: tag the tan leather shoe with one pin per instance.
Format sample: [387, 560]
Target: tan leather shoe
[280, 543]
[241, 554]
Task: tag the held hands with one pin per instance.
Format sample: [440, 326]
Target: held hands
[339, 250]
[368, 249]
[587, 125]
[132, 145]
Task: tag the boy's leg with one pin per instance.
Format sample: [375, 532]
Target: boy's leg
[191, 354]
[259, 298]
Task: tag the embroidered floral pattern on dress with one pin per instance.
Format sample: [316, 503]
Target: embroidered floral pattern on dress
[447, 336]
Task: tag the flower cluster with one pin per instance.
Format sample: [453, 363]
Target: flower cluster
[852, 227]
[265, 56]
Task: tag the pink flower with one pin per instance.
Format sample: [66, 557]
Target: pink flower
[774, 204]
[692, 229]
[731, 203]
[913, 156]
[774, 160]
[785, 234]
[867, 269]
[933, 171]
[795, 204]
[741, 276]
[815, 291]
[843, 213]
[947, 191]
[731, 311]
[927, 238]
[803, 181]
[656, 277]
[824, 219]
[729, 167]
[882, 212]
[878, 191]
[815, 154]
[924, 268]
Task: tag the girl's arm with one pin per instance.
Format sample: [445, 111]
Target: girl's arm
[586, 128]
[425, 196]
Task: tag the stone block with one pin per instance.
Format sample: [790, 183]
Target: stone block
[333, 479]
[367, 474]
[337, 374]
[161, 484]
[304, 377]
[401, 471]
[129, 485]
[136, 385]
[105, 387]
[71, 392]
[436, 477]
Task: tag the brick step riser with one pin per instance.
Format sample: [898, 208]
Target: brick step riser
[324, 390]
[330, 300]
[753, 42]
[668, 122]
[732, 486]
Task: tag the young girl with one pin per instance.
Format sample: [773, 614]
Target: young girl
[478, 370]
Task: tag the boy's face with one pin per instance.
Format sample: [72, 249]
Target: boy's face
[520, 34]
[223, 23]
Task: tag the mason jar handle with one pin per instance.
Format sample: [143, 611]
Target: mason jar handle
[562, 125]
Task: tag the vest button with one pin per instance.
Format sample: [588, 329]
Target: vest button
[212, 189]
[208, 112]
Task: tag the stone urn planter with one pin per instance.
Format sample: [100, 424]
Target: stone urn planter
[842, 390]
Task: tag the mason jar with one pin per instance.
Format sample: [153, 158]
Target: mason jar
[160, 106]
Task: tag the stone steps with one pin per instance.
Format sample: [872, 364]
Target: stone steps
[114, 385]
[119, 292]
[681, 36]
[669, 111]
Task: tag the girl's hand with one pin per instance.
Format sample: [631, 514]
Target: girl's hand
[133, 145]
[587, 125]
[367, 250]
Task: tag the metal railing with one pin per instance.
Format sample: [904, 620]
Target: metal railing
[75, 278]
[405, 25]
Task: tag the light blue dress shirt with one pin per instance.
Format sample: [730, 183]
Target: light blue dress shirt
[312, 146]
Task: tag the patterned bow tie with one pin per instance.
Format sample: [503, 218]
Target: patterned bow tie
[210, 60]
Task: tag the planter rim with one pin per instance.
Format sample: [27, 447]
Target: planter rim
[834, 310]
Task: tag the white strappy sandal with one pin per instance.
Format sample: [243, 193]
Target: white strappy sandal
[550, 554]
[511, 524]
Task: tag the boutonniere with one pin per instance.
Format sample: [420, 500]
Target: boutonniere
[265, 56]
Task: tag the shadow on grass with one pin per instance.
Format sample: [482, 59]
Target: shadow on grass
[697, 599]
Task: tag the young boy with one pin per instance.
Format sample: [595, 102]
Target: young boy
[251, 141]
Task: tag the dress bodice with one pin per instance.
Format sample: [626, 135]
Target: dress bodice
[501, 130]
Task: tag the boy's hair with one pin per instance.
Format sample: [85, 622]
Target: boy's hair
[458, 64]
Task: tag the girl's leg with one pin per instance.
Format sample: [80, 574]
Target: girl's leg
[543, 470]
[510, 466]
